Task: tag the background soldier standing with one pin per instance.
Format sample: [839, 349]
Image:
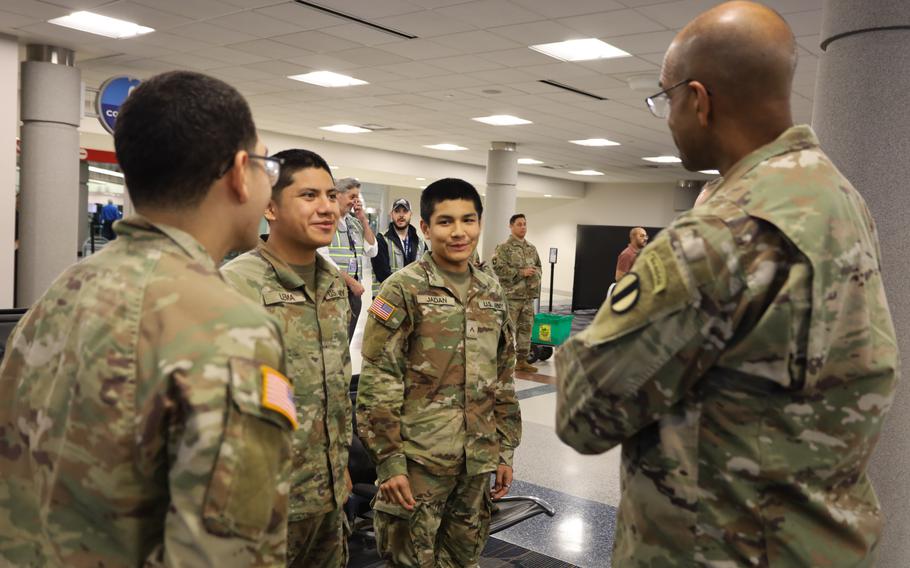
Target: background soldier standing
[437, 409]
[143, 417]
[747, 363]
[309, 297]
[517, 265]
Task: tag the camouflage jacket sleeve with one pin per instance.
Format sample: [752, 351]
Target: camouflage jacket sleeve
[665, 325]
[506, 274]
[380, 393]
[507, 410]
[228, 454]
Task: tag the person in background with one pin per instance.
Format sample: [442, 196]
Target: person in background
[748, 362]
[638, 239]
[144, 416]
[436, 409]
[309, 297]
[517, 265]
[353, 240]
[399, 246]
[109, 214]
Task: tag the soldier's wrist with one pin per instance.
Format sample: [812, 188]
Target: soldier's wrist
[390, 467]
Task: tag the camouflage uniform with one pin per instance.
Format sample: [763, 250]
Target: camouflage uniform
[510, 257]
[437, 403]
[746, 366]
[314, 325]
[134, 426]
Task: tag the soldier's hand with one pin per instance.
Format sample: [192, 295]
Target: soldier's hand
[503, 482]
[528, 271]
[348, 484]
[397, 489]
[357, 288]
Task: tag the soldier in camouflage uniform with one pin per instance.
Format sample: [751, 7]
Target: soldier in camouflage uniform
[144, 420]
[748, 360]
[437, 409]
[517, 265]
[309, 297]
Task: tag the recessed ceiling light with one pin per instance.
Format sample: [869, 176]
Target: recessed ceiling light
[446, 147]
[595, 142]
[328, 79]
[105, 171]
[101, 25]
[528, 161]
[345, 129]
[421, 179]
[502, 120]
[580, 50]
[709, 172]
[586, 173]
[547, 195]
[663, 159]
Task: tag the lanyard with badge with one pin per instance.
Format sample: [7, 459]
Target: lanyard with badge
[352, 264]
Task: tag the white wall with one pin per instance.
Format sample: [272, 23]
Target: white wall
[9, 121]
[552, 222]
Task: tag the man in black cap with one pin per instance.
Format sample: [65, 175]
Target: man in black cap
[399, 246]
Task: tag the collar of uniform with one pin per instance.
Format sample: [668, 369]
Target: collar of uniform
[137, 227]
[285, 274]
[435, 277]
[798, 137]
[515, 239]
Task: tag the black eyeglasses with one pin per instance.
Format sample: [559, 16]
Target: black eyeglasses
[659, 104]
[272, 167]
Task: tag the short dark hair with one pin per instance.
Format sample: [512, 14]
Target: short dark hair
[516, 217]
[294, 161]
[445, 190]
[177, 133]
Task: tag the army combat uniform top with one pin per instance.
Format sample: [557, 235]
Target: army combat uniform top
[143, 417]
[745, 364]
[436, 386]
[314, 325]
[508, 260]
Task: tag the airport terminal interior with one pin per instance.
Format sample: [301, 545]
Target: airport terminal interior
[540, 104]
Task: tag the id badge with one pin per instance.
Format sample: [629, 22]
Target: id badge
[352, 266]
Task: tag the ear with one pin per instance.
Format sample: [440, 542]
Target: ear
[271, 211]
[425, 229]
[236, 177]
[702, 103]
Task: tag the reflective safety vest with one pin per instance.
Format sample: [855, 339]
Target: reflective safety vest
[344, 248]
[396, 258]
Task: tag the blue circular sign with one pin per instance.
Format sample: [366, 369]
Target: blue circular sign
[111, 96]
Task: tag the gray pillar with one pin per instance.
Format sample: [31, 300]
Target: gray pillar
[83, 206]
[862, 119]
[9, 119]
[48, 220]
[499, 205]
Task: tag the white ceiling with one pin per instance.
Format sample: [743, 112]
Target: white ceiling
[470, 59]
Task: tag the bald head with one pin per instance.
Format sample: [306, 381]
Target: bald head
[741, 51]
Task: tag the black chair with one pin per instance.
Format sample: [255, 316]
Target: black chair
[507, 512]
[8, 321]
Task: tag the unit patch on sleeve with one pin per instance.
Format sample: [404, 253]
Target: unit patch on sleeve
[382, 309]
[625, 293]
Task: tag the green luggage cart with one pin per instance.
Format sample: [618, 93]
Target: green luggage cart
[550, 330]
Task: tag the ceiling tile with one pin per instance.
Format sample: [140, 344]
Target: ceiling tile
[368, 56]
[608, 24]
[476, 41]
[196, 9]
[675, 15]
[302, 17]
[270, 49]
[37, 10]
[11, 21]
[805, 23]
[518, 57]
[232, 56]
[420, 49]
[241, 73]
[465, 64]
[552, 9]
[253, 3]
[316, 41]
[652, 42]
[212, 34]
[505, 76]
[811, 43]
[142, 15]
[279, 68]
[537, 32]
[254, 23]
[621, 65]
[78, 4]
[321, 62]
[413, 69]
[189, 61]
[170, 41]
[361, 34]
[490, 13]
[425, 24]
[372, 10]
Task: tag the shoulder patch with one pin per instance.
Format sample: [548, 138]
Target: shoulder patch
[382, 309]
[278, 394]
[626, 293]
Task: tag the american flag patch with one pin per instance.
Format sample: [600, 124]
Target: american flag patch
[382, 309]
[278, 394]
